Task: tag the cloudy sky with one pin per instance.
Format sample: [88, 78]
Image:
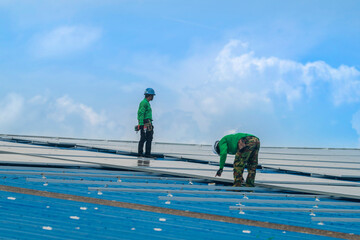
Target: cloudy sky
[285, 71]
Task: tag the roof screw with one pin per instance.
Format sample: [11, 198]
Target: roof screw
[312, 213]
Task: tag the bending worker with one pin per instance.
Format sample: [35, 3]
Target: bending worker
[246, 148]
[145, 126]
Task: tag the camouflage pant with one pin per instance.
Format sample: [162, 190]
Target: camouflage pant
[248, 155]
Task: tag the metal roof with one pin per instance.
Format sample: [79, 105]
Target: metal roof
[76, 193]
[191, 166]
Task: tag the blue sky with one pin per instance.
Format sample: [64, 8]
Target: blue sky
[286, 71]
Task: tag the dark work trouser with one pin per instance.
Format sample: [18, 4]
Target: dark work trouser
[247, 156]
[146, 135]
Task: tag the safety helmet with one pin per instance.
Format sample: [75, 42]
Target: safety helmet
[216, 148]
[149, 91]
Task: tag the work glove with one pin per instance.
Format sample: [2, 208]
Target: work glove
[137, 128]
[219, 172]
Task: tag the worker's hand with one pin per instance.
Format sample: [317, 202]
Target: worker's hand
[138, 127]
[219, 172]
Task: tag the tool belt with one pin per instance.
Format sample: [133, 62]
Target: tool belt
[148, 125]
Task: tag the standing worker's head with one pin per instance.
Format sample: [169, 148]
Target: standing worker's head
[149, 94]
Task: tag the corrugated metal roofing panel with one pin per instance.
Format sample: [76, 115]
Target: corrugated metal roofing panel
[152, 199]
[179, 168]
[66, 184]
[44, 218]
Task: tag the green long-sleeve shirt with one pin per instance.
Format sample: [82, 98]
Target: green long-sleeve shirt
[229, 145]
[144, 111]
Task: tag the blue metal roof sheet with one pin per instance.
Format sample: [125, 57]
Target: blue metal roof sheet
[38, 217]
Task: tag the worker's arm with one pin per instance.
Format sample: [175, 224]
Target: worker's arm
[223, 153]
[221, 167]
[141, 113]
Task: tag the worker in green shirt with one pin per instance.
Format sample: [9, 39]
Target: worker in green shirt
[246, 148]
[144, 116]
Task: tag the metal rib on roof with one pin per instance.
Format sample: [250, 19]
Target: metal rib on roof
[328, 219]
[243, 193]
[285, 209]
[261, 201]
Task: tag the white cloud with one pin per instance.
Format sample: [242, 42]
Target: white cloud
[65, 107]
[38, 100]
[249, 79]
[11, 108]
[65, 40]
[344, 82]
[292, 79]
[43, 115]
